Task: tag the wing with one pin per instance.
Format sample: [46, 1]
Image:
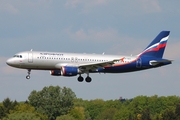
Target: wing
[94, 66]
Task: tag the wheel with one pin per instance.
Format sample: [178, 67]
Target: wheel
[27, 77]
[88, 79]
[80, 78]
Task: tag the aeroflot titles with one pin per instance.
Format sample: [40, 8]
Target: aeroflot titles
[57, 54]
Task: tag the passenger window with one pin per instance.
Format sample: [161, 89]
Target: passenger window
[20, 56]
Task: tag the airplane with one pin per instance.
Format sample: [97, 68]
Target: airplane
[73, 64]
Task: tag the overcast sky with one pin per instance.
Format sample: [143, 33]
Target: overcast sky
[89, 26]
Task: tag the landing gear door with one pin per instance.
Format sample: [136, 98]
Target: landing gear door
[30, 57]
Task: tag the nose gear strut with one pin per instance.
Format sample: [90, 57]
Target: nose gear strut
[29, 72]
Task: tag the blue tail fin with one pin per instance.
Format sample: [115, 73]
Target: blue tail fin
[157, 46]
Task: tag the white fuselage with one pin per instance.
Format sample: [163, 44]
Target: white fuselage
[55, 60]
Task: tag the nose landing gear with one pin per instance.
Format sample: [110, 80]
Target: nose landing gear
[29, 72]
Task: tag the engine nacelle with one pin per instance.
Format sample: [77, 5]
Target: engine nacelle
[69, 71]
[55, 72]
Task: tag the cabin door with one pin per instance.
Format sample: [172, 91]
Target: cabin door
[30, 57]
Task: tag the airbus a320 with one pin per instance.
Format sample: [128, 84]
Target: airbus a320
[73, 64]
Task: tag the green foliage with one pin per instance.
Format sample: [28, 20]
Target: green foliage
[52, 101]
[78, 113]
[124, 114]
[95, 107]
[56, 103]
[22, 116]
[27, 108]
[107, 114]
[177, 111]
[78, 102]
[66, 117]
[169, 115]
[2, 112]
[152, 107]
[145, 115]
[6, 106]
[23, 108]
[114, 104]
[159, 104]
[138, 104]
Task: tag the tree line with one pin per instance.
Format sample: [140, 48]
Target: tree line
[56, 103]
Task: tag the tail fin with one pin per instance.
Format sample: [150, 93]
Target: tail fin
[157, 46]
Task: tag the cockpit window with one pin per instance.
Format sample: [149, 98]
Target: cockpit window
[18, 56]
[15, 56]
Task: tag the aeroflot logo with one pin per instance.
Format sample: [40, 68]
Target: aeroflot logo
[158, 45]
[57, 54]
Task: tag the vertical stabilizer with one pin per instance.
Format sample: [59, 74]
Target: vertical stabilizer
[157, 46]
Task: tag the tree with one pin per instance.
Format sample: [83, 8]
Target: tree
[22, 116]
[107, 114]
[177, 111]
[95, 107]
[114, 104]
[65, 117]
[78, 113]
[124, 114]
[80, 103]
[145, 115]
[169, 115]
[138, 104]
[157, 117]
[27, 108]
[2, 113]
[52, 101]
[23, 108]
[6, 106]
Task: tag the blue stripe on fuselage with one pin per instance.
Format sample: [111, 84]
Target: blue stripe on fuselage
[130, 67]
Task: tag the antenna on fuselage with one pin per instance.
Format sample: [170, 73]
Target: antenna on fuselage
[31, 50]
[103, 53]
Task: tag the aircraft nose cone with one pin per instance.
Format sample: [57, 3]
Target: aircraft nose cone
[9, 62]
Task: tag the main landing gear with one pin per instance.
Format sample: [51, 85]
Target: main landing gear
[80, 78]
[29, 72]
[87, 79]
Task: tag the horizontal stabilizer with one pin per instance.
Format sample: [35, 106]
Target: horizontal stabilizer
[159, 62]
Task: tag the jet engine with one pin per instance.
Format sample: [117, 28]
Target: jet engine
[55, 72]
[66, 71]
[69, 71]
